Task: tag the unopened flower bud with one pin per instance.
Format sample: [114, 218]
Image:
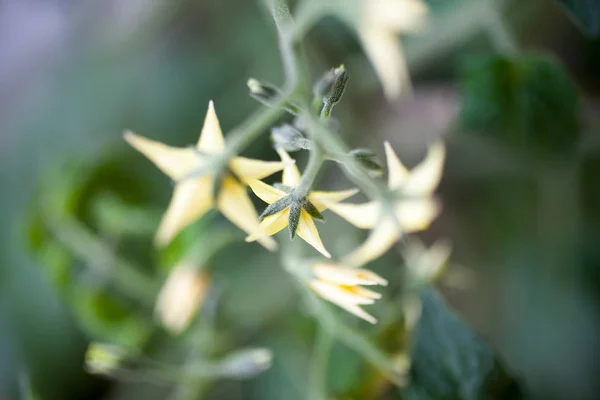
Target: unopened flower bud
[181, 296]
[103, 358]
[289, 138]
[267, 94]
[245, 364]
[337, 89]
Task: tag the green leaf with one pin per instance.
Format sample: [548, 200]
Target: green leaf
[527, 102]
[585, 13]
[451, 361]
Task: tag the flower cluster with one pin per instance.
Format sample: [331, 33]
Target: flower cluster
[206, 176]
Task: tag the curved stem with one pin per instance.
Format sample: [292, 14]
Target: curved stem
[315, 161]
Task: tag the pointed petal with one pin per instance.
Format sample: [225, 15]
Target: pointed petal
[416, 214]
[291, 174]
[384, 50]
[247, 168]
[266, 193]
[176, 162]
[425, 177]
[324, 290]
[319, 198]
[381, 239]
[362, 216]
[308, 231]
[272, 224]
[237, 207]
[191, 200]
[339, 294]
[397, 172]
[211, 138]
[400, 16]
[342, 275]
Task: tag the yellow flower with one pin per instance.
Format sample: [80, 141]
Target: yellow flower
[343, 287]
[193, 196]
[302, 211]
[181, 296]
[414, 210]
[381, 22]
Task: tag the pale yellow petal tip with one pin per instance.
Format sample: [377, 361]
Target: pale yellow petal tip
[267, 242]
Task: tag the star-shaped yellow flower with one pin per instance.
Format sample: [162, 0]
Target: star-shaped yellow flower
[414, 210]
[308, 208]
[381, 22]
[193, 193]
[343, 286]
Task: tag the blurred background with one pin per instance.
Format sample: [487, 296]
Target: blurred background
[78, 206]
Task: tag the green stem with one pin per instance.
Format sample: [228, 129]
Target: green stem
[243, 135]
[355, 340]
[315, 161]
[86, 246]
[354, 171]
[317, 380]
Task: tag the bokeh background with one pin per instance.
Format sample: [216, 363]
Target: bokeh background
[521, 191]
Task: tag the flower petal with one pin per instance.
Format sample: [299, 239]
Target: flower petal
[237, 207]
[342, 275]
[272, 224]
[265, 192]
[324, 290]
[397, 172]
[381, 239]
[291, 174]
[339, 294]
[362, 216]
[416, 214]
[319, 198]
[384, 50]
[247, 168]
[425, 177]
[211, 138]
[176, 162]
[191, 199]
[181, 296]
[308, 231]
[401, 16]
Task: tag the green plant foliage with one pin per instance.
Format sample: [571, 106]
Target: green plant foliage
[585, 13]
[527, 102]
[451, 361]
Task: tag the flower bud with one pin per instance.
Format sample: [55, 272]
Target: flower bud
[181, 296]
[268, 94]
[289, 138]
[263, 92]
[103, 358]
[337, 89]
[245, 364]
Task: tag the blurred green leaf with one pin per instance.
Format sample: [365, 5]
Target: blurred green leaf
[585, 13]
[527, 102]
[451, 361]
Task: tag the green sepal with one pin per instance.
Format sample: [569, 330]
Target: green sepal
[277, 206]
[312, 210]
[294, 219]
[368, 160]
